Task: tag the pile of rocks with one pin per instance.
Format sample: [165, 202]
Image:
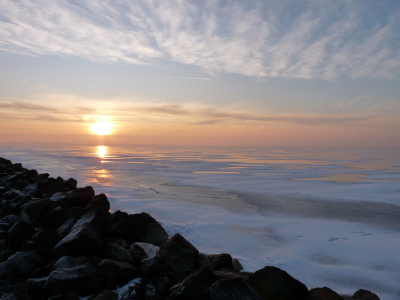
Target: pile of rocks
[58, 241]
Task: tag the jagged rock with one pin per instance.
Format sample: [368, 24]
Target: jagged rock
[10, 219]
[5, 287]
[70, 184]
[121, 272]
[12, 194]
[48, 186]
[180, 255]
[17, 185]
[195, 287]
[36, 284]
[233, 289]
[218, 261]
[66, 296]
[23, 263]
[27, 245]
[105, 295]
[3, 234]
[66, 262]
[66, 227]
[21, 230]
[56, 215]
[158, 286]
[4, 270]
[274, 283]
[154, 266]
[230, 274]
[44, 270]
[35, 209]
[117, 252]
[142, 251]
[84, 279]
[99, 201]
[81, 241]
[4, 226]
[119, 241]
[96, 219]
[324, 293]
[72, 198]
[237, 265]
[132, 290]
[45, 240]
[136, 228]
[364, 295]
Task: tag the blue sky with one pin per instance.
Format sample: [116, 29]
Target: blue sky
[235, 65]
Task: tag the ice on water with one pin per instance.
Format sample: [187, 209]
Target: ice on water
[328, 218]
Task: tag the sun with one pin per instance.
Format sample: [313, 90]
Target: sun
[102, 128]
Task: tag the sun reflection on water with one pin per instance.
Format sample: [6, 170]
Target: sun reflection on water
[102, 151]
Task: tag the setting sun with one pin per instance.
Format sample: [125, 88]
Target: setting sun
[102, 128]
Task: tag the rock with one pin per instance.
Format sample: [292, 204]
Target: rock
[154, 266]
[21, 230]
[66, 227]
[12, 194]
[122, 272]
[10, 219]
[119, 241]
[70, 184]
[81, 241]
[4, 226]
[136, 228]
[364, 295]
[23, 263]
[230, 274]
[237, 265]
[66, 296]
[66, 262]
[99, 201]
[132, 290]
[72, 198]
[233, 289]
[218, 261]
[5, 287]
[44, 270]
[35, 209]
[158, 286]
[36, 284]
[274, 283]
[117, 252]
[84, 279]
[105, 295]
[142, 251]
[195, 287]
[324, 293]
[48, 186]
[180, 255]
[96, 219]
[45, 240]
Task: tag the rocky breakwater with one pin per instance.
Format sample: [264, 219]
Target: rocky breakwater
[58, 241]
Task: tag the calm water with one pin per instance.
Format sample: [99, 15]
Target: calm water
[333, 213]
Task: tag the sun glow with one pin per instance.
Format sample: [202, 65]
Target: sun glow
[102, 127]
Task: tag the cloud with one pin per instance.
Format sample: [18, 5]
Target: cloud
[292, 39]
[26, 106]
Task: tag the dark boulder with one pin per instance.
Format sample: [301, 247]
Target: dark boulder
[274, 283]
[49, 186]
[66, 227]
[20, 231]
[96, 219]
[119, 241]
[72, 198]
[23, 263]
[364, 295]
[324, 293]
[218, 261]
[152, 267]
[195, 287]
[134, 289]
[233, 289]
[99, 201]
[237, 265]
[142, 251]
[81, 241]
[46, 239]
[105, 295]
[84, 279]
[180, 255]
[66, 262]
[117, 252]
[121, 272]
[35, 209]
[36, 284]
[65, 296]
[70, 184]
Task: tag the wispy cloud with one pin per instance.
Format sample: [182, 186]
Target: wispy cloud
[308, 39]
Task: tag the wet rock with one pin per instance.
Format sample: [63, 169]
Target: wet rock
[84, 279]
[66, 227]
[23, 263]
[218, 261]
[66, 296]
[364, 295]
[324, 293]
[274, 283]
[158, 286]
[142, 251]
[99, 201]
[21, 230]
[230, 274]
[122, 272]
[105, 295]
[119, 241]
[117, 252]
[70, 184]
[66, 262]
[195, 287]
[136, 228]
[180, 255]
[36, 284]
[10, 219]
[237, 265]
[44, 270]
[233, 289]
[45, 240]
[72, 198]
[12, 194]
[35, 209]
[81, 241]
[49, 186]
[134, 289]
[56, 215]
[96, 219]
[154, 266]
[4, 226]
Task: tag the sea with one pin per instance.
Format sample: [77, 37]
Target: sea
[328, 217]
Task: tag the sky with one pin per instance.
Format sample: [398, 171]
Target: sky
[232, 73]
